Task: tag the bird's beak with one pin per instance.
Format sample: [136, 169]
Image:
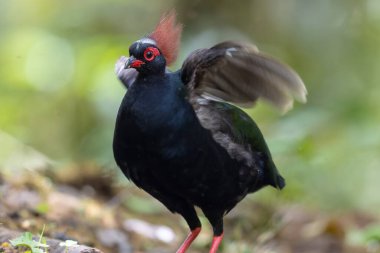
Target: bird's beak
[132, 62]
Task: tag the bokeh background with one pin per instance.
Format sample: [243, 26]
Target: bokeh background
[59, 95]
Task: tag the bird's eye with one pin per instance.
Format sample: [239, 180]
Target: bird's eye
[150, 53]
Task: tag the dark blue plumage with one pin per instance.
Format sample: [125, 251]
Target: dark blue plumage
[157, 129]
[178, 138]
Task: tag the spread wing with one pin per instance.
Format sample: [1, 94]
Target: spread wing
[238, 73]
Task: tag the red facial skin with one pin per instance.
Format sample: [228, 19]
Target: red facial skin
[150, 53]
[136, 64]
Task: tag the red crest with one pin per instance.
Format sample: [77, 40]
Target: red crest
[167, 35]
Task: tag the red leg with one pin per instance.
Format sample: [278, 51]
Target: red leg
[190, 238]
[215, 243]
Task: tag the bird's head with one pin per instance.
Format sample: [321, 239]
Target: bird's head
[151, 54]
[146, 57]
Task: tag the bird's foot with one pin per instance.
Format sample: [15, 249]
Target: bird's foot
[215, 243]
[190, 238]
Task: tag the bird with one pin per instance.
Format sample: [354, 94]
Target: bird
[183, 137]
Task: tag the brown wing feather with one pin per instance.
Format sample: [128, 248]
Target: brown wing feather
[239, 73]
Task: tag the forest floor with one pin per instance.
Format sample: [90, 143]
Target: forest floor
[83, 204]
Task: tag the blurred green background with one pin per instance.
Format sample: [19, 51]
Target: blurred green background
[59, 95]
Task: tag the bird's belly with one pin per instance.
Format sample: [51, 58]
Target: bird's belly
[205, 177]
[185, 161]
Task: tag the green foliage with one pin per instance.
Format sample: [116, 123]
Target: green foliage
[26, 240]
[372, 234]
[42, 208]
[368, 236]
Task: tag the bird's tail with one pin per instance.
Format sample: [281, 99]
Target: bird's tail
[280, 182]
[273, 176]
